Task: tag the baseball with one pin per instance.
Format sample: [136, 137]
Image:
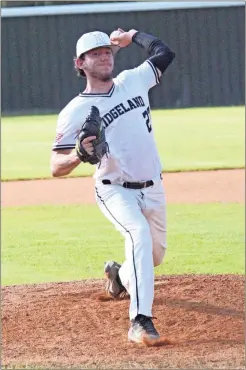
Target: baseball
[115, 34]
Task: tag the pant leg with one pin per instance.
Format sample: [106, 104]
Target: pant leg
[155, 212]
[121, 207]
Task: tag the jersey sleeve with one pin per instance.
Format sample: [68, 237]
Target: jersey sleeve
[66, 132]
[146, 75]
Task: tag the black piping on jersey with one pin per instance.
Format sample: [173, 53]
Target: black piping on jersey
[103, 95]
[133, 257]
[155, 71]
[63, 146]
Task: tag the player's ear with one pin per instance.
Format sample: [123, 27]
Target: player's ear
[79, 62]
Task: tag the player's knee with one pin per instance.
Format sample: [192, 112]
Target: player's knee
[142, 231]
[158, 255]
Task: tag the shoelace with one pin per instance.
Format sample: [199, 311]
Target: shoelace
[147, 324]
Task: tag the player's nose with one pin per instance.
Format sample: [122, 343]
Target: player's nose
[105, 56]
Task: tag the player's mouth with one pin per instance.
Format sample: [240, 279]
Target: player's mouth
[105, 65]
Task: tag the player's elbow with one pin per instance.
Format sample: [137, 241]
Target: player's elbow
[55, 171]
[55, 168]
[59, 171]
[163, 59]
[172, 55]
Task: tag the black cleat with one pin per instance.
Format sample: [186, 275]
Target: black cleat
[113, 287]
[142, 330]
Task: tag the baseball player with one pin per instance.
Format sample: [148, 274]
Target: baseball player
[128, 186]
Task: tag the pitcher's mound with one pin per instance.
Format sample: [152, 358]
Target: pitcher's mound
[65, 325]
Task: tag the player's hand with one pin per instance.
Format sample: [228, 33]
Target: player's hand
[121, 37]
[87, 145]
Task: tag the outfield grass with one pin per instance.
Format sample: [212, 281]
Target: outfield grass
[188, 139]
[63, 243]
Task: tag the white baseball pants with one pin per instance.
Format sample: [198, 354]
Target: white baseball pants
[140, 216]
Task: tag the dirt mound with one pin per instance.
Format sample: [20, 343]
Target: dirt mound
[65, 325]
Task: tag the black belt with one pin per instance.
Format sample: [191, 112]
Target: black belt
[132, 185]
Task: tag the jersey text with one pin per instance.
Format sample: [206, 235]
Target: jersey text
[121, 109]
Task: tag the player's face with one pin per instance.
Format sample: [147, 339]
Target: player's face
[99, 63]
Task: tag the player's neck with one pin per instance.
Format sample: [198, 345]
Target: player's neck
[98, 87]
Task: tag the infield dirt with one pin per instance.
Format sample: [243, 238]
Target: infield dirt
[225, 186]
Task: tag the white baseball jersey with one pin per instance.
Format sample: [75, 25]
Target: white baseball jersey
[126, 117]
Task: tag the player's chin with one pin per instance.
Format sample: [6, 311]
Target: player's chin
[106, 73]
[106, 76]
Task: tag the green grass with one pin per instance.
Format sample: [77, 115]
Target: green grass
[63, 243]
[187, 139]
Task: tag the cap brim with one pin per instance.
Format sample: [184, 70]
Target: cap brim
[114, 49]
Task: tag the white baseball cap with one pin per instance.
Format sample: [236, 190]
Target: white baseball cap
[93, 40]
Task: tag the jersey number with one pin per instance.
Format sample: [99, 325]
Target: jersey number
[146, 115]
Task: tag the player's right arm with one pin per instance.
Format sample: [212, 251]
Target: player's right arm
[160, 56]
[63, 162]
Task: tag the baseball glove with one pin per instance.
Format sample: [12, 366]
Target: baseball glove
[92, 126]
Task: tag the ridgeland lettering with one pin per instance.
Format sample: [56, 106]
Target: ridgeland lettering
[121, 109]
